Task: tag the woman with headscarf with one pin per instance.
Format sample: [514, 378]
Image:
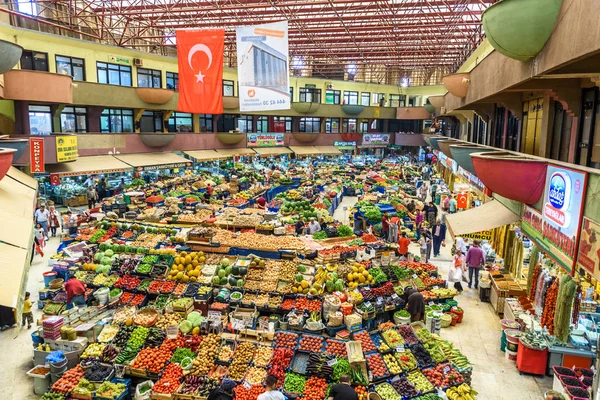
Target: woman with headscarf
[415, 304]
[224, 392]
[54, 220]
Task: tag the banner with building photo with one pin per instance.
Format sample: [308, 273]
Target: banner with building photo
[263, 67]
[589, 247]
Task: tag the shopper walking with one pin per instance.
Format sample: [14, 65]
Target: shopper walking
[27, 314]
[433, 191]
[446, 206]
[457, 270]
[475, 260]
[54, 220]
[423, 192]
[343, 390]
[101, 187]
[41, 217]
[92, 197]
[452, 205]
[439, 236]
[394, 221]
[419, 218]
[403, 244]
[40, 236]
[432, 213]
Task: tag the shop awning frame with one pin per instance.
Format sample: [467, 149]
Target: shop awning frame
[490, 215]
[89, 165]
[241, 151]
[204, 155]
[272, 151]
[328, 150]
[304, 150]
[154, 161]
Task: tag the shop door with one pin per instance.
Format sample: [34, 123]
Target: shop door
[589, 129]
[533, 128]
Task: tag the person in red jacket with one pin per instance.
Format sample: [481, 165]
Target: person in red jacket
[75, 292]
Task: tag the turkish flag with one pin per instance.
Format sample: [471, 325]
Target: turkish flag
[200, 60]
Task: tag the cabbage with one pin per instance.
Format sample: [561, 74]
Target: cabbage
[106, 269]
[195, 318]
[185, 326]
[99, 268]
[106, 261]
[109, 253]
[98, 256]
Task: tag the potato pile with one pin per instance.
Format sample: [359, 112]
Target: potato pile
[167, 320]
[205, 359]
[242, 356]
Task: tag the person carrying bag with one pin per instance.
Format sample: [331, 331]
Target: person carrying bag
[455, 274]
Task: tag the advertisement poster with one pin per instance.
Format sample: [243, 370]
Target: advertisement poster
[263, 72]
[36, 155]
[376, 139]
[589, 248]
[66, 148]
[264, 139]
[345, 145]
[556, 229]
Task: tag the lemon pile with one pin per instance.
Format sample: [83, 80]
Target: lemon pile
[187, 267]
[359, 276]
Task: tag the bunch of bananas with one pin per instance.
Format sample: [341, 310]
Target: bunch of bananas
[462, 392]
[454, 355]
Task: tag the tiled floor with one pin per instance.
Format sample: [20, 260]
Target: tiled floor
[478, 337]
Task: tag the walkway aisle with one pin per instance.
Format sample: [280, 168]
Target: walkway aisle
[478, 337]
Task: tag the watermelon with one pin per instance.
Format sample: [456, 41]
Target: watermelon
[216, 280]
[102, 246]
[243, 271]
[115, 248]
[232, 281]
[235, 270]
[299, 278]
[240, 282]
[224, 280]
[122, 248]
[225, 262]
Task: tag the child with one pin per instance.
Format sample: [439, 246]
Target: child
[40, 235]
[27, 314]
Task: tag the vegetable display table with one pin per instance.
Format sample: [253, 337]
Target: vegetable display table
[530, 360]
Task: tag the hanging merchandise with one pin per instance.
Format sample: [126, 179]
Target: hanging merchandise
[533, 265]
[562, 316]
[547, 320]
[576, 304]
[534, 282]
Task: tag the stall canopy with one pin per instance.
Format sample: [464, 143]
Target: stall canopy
[17, 205]
[154, 161]
[89, 166]
[488, 216]
[203, 155]
[305, 150]
[242, 151]
[272, 151]
[328, 150]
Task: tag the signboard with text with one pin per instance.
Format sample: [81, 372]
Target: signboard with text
[265, 139]
[556, 228]
[164, 166]
[482, 235]
[36, 155]
[376, 139]
[66, 148]
[588, 256]
[345, 145]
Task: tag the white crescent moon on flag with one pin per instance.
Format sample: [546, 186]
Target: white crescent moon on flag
[204, 49]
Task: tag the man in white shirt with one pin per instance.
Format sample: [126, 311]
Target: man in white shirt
[271, 392]
[41, 217]
[313, 227]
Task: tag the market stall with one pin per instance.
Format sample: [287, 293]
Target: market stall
[272, 151]
[304, 151]
[200, 156]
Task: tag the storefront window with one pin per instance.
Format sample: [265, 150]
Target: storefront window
[349, 125]
[71, 66]
[332, 125]
[113, 74]
[245, 123]
[116, 121]
[310, 125]
[40, 120]
[173, 81]
[180, 122]
[206, 123]
[73, 119]
[350, 97]
[262, 124]
[149, 78]
[228, 89]
[283, 120]
[34, 61]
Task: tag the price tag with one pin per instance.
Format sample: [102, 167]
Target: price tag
[399, 349]
[368, 304]
[247, 385]
[431, 303]
[396, 378]
[394, 296]
[380, 299]
[172, 332]
[436, 287]
[415, 276]
[446, 370]
[331, 363]
[169, 309]
[214, 316]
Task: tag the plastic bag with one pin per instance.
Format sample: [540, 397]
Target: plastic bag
[146, 394]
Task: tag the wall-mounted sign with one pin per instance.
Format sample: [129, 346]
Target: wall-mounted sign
[264, 139]
[66, 148]
[36, 155]
[588, 256]
[54, 180]
[556, 229]
[376, 139]
[483, 235]
[279, 126]
[119, 60]
[165, 166]
[345, 145]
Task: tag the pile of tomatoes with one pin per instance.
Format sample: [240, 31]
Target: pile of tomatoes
[169, 381]
[315, 388]
[286, 339]
[153, 359]
[377, 366]
[287, 304]
[242, 393]
[336, 348]
[365, 341]
[68, 381]
[311, 343]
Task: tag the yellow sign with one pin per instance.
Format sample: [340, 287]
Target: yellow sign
[483, 235]
[66, 148]
[376, 112]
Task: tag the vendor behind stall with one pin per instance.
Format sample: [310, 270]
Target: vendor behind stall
[415, 304]
[300, 226]
[261, 202]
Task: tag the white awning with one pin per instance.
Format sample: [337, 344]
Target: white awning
[90, 165]
[204, 155]
[154, 161]
[328, 150]
[488, 216]
[272, 151]
[241, 151]
[305, 150]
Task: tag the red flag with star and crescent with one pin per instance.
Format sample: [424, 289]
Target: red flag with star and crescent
[200, 60]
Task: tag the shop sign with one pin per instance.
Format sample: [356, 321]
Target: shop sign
[36, 155]
[264, 139]
[96, 172]
[164, 166]
[483, 235]
[376, 139]
[66, 148]
[119, 60]
[345, 145]
[588, 257]
[54, 180]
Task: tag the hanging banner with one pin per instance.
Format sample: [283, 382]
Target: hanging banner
[66, 148]
[263, 72]
[588, 257]
[376, 139]
[54, 180]
[556, 229]
[36, 155]
[200, 61]
[264, 139]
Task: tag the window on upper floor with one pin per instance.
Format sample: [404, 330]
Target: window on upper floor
[73, 119]
[332, 125]
[116, 121]
[349, 125]
[40, 120]
[291, 94]
[396, 100]
[350, 97]
[378, 99]
[206, 122]
[71, 66]
[34, 60]
[332, 96]
[310, 125]
[173, 81]
[310, 95]
[149, 78]
[363, 127]
[262, 124]
[228, 88]
[287, 121]
[245, 123]
[180, 122]
[365, 99]
[113, 74]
